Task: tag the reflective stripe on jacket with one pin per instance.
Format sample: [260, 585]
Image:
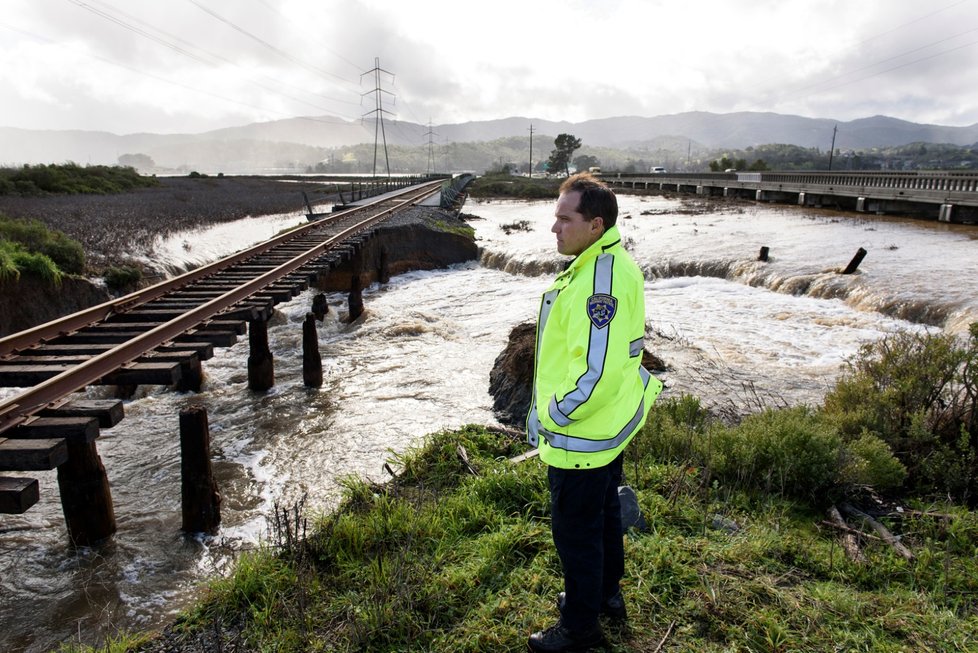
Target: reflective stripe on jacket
[590, 391]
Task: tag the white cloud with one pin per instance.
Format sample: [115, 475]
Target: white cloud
[237, 61]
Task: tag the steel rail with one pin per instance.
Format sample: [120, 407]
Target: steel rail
[75, 321]
[18, 409]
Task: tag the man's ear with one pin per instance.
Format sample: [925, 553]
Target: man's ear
[596, 223]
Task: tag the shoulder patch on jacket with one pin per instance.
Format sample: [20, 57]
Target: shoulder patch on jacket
[601, 309]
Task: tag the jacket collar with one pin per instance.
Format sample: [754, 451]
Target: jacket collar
[608, 239]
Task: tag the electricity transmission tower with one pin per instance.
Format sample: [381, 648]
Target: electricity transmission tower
[431, 148]
[379, 110]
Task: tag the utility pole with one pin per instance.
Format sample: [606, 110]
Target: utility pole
[531, 151]
[431, 150]
[832, 149]
[379, 110]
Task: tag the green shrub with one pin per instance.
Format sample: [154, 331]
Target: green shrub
[792, 451]
[38, 266]
[31, 180]
[511, 186]
[870, 461]
[65, 252]
[123, 278]
[795, 452]
[919, 394]
[8, 267]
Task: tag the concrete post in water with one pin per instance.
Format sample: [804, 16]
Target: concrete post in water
[764, 252]
[312, 362]
[201, 501]
[261, 367]
[356, 298]
[320, 307]
[85, 496]
[856, 260]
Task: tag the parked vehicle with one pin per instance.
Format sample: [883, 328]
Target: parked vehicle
[658, 170]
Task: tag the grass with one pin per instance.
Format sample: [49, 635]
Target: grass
[509, 186]
[441, 559]
[33, 237]
[15, 261]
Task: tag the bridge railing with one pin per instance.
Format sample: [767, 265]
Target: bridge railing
[953, 181]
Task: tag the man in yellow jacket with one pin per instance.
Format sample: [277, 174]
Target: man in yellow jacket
[591, 395]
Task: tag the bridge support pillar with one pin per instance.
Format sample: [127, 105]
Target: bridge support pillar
[861, 205]
[319, 307]
[808, 199]
[383, 269]
[312, 361]
[200, 499]
[355, 298]
[261, 366]
[946, 213]
[85, 496]
[191, 375]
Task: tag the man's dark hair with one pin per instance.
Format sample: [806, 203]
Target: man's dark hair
[596, 198]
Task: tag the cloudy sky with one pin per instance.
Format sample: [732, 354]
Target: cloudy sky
[193, 65]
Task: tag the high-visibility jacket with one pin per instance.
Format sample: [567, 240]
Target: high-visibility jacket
[590, 391]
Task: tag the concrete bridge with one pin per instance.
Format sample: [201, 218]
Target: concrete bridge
[945, 196]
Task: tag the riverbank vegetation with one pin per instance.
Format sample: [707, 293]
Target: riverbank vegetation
[71, 178]
[744, 548]
[501, 184]
[28, 247]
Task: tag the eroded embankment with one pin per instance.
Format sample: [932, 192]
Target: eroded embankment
[421, 239]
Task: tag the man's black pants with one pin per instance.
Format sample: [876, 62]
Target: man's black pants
[587, 532]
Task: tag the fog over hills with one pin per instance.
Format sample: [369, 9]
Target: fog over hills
[299, 142]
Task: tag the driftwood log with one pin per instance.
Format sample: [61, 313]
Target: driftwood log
[880, 529]
[850, 543]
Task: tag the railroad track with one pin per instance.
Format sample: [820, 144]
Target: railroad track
[158, 335]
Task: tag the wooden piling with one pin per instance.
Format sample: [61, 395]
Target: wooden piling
[201, 502]
[763, 255]
[191, 374]
[856, 260]
[261, 367]
[383, 269]
[85, 496]
[355, 299]
[320, 307]
[312, 361]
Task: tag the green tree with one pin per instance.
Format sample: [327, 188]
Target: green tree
[586, 161]
[560, 156]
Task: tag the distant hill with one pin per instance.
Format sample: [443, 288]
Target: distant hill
[299, 142]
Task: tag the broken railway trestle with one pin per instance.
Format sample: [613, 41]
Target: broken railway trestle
[159, 336]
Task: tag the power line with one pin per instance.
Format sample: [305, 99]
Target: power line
[43, 39]
[379, 110]
[217, 58]
[319, 43]
[431, 148]
[276, 50]
[883, 61]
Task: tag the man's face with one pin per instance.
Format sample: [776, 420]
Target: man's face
[574, 233]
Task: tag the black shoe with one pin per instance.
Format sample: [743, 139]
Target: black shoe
[558, 639]
[613, 608]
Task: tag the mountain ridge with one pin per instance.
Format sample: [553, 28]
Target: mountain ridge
[305, 139]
